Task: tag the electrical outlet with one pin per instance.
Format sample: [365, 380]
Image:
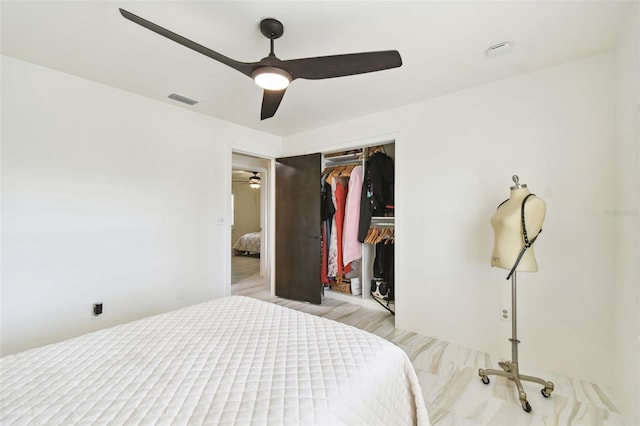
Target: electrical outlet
[505, 314]
[97, 309]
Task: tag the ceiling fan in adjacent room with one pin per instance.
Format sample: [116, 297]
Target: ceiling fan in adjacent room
[275, 75]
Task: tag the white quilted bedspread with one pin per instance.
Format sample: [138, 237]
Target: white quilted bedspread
[228, 361]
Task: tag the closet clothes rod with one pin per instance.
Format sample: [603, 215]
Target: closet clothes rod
[380, 221]
[342, 163]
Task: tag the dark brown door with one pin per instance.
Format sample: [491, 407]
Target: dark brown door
[298, 228]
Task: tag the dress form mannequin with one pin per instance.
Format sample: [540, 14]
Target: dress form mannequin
[516, 224]
[507, 228]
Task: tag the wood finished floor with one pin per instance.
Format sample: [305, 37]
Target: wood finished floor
[243, 266]
[448, 374]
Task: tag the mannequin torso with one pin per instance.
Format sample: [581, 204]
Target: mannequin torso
[507, 228]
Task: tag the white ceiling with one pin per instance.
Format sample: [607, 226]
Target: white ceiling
[442, 45]
[241, 175]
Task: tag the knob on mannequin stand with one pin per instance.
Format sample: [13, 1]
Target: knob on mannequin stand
[503, 255]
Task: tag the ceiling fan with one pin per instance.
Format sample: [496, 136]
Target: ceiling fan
[275, 75]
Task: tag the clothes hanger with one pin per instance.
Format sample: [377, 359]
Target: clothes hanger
[347, 170]
[334, 173]
[367, 239]
[378, 235]
[372, 236]
[326, 170]
[390, 236]
[375, 149]
[384, 236]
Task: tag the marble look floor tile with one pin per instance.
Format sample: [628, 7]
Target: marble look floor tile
[585, 392]
[575, 389]
[444, 417]
[568, 411]
[448, 374]
[501, 413]
[471, 397]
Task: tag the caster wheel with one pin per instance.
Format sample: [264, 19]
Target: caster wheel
[545, 392]
[485, 380]
[526, 407]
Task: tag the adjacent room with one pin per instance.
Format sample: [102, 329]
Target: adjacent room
[418, 212]
[245, 229]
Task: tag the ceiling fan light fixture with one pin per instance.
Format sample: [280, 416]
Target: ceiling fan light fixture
[271, 78]
[254, 181]
[275, 75]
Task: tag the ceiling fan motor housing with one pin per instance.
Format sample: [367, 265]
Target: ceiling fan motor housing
[271, 28]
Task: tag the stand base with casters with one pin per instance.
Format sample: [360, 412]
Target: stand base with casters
[510, 368]
[510, 371]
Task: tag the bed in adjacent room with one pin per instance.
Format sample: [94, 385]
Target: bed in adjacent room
[248, 244]
[234, 360]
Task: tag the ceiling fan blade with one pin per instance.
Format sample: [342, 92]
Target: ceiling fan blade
[243, 67]
[342, 65]
[270, 102]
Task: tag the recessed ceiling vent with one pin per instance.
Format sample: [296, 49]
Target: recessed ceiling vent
[499, 49]
[182, 99]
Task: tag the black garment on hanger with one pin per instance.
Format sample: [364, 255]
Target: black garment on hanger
[377, 190]
[327, 209]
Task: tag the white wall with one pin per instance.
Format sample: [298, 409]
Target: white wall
[454, 159]
[107, 196]
[247, 210]
[625, 216]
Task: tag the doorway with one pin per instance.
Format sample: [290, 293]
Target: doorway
[245, 224]
[249, 218]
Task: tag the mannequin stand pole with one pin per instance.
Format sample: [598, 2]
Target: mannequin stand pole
[510, 368]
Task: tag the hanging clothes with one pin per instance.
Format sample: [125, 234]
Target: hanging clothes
[327, 210]
[352, 248]
[332, 267]
[377, 191]
[332, 263]
[341, 200]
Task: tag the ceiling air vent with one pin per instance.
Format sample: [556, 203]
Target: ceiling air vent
[182, 99]
[499, 49]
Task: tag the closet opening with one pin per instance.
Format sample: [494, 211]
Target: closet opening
[358, 225]
[326, 246]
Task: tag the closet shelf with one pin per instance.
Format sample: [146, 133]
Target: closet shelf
[342, 159]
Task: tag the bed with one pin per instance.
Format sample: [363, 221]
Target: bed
[229, 361]
[248, 243]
